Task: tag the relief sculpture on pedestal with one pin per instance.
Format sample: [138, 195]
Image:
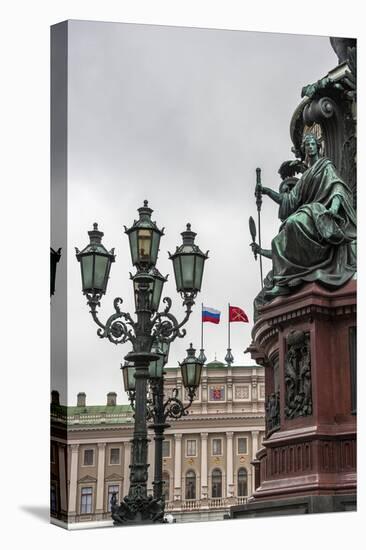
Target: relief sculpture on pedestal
[298, 401]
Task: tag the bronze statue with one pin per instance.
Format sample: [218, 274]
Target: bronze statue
[287, 171]
[316, 241]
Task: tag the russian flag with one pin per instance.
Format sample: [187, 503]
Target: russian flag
[210, 315]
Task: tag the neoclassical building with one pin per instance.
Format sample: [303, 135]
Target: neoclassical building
[207, 454]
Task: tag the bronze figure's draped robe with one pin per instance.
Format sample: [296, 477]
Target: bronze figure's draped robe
[312, 245]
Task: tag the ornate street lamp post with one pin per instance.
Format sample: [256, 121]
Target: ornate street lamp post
[172, 408]
[159, 410]
[149, 327]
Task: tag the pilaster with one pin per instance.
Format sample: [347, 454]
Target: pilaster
[99, 507]
[73, 480]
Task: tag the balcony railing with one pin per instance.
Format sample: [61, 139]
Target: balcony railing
[211, 503]
[217, 503]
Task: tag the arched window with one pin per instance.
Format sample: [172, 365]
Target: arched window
[190, 485]
[216, 479]
[166, 486]
[242, 482]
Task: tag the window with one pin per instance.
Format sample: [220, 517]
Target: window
[166, 448]
[217, 446]
[166, 486]
[242, 445]
[53, 499]
[86, 500]
[111, 490]
[88, 457]
[216, 483]
[191, 447]
[242, 482]
[190, 485]
[114, 456]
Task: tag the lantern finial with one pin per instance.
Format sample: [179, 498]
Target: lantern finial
[95, 235]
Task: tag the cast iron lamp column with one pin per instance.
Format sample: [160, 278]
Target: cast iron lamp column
[158, 410]
[172, 408]
[151, 325]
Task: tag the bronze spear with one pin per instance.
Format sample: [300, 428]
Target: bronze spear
[258, 196]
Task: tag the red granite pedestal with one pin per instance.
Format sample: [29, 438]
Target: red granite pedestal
[308, 460]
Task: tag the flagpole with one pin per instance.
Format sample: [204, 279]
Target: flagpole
[228, 322]
[202, 355]
[229, 356]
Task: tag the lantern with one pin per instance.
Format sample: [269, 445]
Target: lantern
[156, 367]
[144, 238]
[128, 371]
[95, 262]
[152, 282]
[188, 262]
[191, 368]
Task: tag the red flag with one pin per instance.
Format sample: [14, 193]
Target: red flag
[237, 315]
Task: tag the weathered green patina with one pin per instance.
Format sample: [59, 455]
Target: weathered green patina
[316, 242]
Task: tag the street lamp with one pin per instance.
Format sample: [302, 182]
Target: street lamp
[95, 262]
[149, 327]
[129, 381]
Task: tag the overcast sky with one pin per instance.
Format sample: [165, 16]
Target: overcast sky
[181, 117]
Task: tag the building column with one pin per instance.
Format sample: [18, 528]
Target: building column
[178, 467]
[229, 465]
[255, 436]
[62, 478]
[204, 483]
[151, 461]
[73, 479]
[126, 467]
[99, 508]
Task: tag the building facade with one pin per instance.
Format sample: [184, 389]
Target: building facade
[207, 454]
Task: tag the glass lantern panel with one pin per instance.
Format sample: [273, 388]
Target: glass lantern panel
[191, 374]
[152, 369]
[158, 289]
[87, 271]
[133, 246]
[100, 270]
[165, 346]
[125, 378]
[144, 243]
[156, 367]
[178, 273]
[131, 378]
[155, 246]
[188, 270]
[198, 272]
[198, 372]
